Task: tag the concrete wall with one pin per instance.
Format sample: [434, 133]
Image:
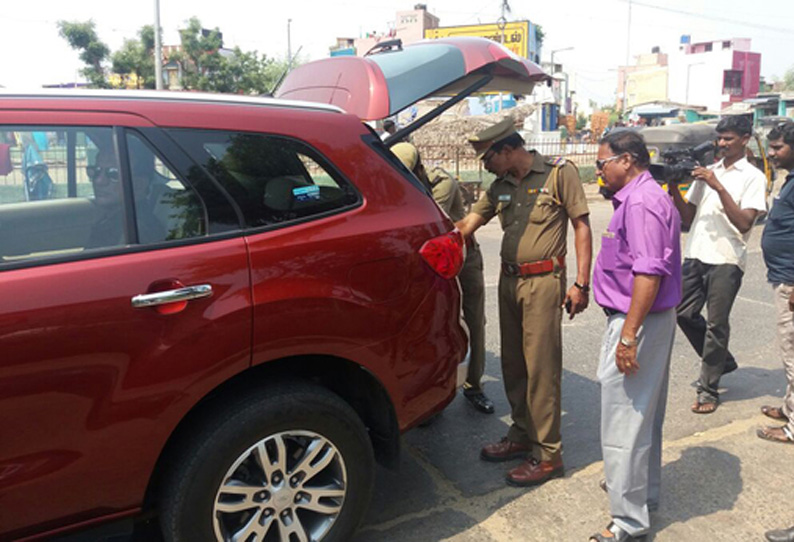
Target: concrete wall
[647, 85]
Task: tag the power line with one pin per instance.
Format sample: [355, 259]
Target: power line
[709, 17]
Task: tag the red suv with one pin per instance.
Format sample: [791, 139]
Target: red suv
[219, 309]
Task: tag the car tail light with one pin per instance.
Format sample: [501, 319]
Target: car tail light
[445, 254]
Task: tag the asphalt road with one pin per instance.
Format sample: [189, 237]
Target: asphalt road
[720, 482]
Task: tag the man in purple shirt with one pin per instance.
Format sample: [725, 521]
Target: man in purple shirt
[637, 281]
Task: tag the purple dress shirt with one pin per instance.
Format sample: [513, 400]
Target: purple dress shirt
[644, 236]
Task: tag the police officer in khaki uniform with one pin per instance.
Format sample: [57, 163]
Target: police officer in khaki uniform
[446, 192]
[534, 198]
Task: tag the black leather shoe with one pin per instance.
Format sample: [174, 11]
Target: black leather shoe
[480, 401]
[780, 535]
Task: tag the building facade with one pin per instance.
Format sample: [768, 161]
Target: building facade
[408, 26]
[647, 81]
[713, 74]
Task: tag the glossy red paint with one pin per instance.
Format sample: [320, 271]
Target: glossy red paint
[92, 388]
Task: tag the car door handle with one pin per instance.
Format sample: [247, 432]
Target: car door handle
[172, 296]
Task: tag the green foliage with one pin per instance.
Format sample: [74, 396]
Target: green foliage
[82, 36]
[136, 57]
[581, 121]
[206, 66]
[540, 35]
[788, 79]
[614, 114]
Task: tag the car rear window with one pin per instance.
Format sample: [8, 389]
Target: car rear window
[272, 178]
[377, 144]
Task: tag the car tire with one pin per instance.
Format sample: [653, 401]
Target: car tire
[315, 484]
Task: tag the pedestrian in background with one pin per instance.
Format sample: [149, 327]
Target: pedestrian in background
[534, 198]
[721, 207]
[637, 281]
[778, 246]
[446, 192]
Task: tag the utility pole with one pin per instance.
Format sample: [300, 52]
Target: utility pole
[626, 68]
[501, 24]
[158, 49]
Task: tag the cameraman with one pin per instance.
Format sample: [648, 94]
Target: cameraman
[720, 209]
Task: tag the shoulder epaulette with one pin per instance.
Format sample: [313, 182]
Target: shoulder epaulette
[556, 161]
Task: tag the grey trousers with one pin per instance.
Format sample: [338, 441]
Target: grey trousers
[785, 331]
[715, 287]
[632, 415]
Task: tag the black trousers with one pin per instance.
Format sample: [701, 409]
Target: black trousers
[713, 286]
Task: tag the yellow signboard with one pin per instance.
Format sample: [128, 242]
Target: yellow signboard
[516, 34]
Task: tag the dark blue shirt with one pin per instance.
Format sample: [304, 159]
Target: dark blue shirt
[778, 239]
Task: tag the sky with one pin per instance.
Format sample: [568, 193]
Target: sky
[598, 30]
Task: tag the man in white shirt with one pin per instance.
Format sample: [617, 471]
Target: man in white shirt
[721, 207]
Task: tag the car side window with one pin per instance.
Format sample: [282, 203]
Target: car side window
[60, 192]
[166, 209]
[273, 179]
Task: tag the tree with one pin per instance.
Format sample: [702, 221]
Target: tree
[540, 35]
[581, 121]
[207, 66]
[83, 37]
[136, 58]
[788, 80]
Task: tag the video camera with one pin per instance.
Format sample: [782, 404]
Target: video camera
[679, 163]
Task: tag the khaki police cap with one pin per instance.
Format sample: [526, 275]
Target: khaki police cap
[407, 154]
[482, 140]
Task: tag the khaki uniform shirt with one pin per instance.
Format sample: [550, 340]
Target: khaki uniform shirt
[446, 192]
[533, 211]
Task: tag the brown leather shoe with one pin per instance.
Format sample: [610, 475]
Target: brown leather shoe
[533, 472]
[504, 450]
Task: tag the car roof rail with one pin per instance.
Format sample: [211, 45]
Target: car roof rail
[386, 46]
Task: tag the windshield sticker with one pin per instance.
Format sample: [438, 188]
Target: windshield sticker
[306, 193]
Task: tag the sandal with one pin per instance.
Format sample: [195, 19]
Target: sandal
[776, 413]
[776, 434]
[616, 534]
[706, 407]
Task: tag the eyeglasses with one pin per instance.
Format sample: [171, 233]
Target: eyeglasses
[111, 173]
[485, 158]
[601, 163]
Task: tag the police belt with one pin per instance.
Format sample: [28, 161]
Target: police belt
[540, 267]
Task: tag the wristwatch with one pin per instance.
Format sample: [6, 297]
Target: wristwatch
[630, 344]
[585, 288]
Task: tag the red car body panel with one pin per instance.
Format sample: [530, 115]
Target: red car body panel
[379, 85]
[91, 388]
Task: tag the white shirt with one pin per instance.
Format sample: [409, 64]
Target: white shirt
[713, 239]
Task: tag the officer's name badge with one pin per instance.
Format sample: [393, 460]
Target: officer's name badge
[504, 197]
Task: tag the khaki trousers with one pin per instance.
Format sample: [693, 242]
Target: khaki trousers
[473, 286]
[785, 331]
[530, 320]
